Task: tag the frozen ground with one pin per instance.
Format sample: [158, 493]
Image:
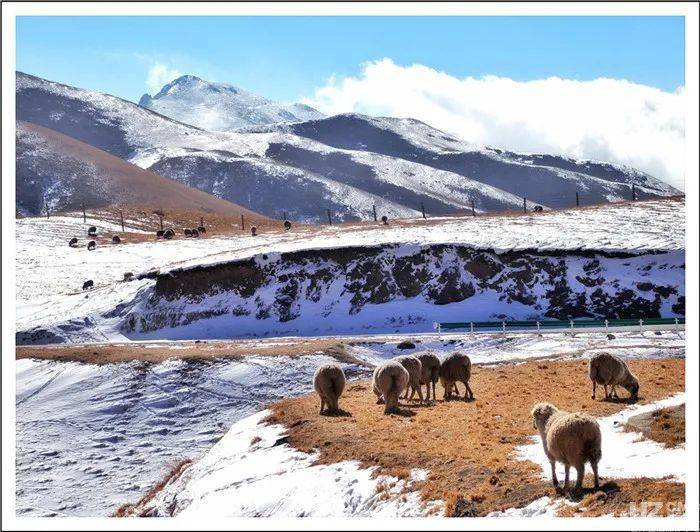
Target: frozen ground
[90, 438]
[50, 274]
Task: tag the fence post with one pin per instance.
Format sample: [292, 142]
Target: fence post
[471, 326]
[606, 326]
[640, 324]
[160, 217]
[503, 323]
[577, 202]
[439, 328]
[121, 218]
[571, 324]
[422, 209]
[473, 211]
[676, 320]
[634, 193]
[201, 221]
[242, 223]
[84, 217]
[330, 221]
[524, 204]
[374, 212]
[538, 326]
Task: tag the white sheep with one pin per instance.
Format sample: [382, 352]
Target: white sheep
[414, 367]
[389, 380]
[430, 371]
[329, 383]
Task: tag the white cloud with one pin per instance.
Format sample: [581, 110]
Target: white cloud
[158, 75]
[604, 119]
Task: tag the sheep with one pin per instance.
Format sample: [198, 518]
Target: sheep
[610, 370]
[188, 232]
[538, 208]
[385, 220]
[88, 284]
[92, 231]
[570, 438]
[73, 242]
[253, 231]
[159, 234]
[329, 383]
[202, 229]
[389, 380]
[91, 245]
[169, 234]
[287, 225]
[195, 233]
[116, 240]
[430, 371]
[414, 368]
[456, 368]
[128, 276]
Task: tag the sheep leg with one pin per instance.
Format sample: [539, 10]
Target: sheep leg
[605, 387]
[614, 392]
[555, 481]
[323, 403]
[434, 396]
[566, 476]
[469, 389]
[420, 394]
[594, 466]
[579, 477]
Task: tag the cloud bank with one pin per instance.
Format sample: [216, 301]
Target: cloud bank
[604, 119]
[158, 75]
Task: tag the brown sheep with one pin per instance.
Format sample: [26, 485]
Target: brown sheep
[329, 383]
[430, 371]
[457, 367]
[570, 438]
[389, 380]
[610, 370]
[414, 368]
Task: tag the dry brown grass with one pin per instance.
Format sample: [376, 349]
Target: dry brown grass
[468, 446]
[135, 510]
[666, 425]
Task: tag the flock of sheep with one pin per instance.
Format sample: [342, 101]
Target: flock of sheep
[571, 438]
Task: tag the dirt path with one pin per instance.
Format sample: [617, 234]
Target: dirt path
[468, 447]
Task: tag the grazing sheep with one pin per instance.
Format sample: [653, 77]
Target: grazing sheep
[188, 232]
[610, 370]
[430, 371]
[287, 225]
[570, 438]
[414, 368]
[389, 380]
[385, 220]
[253, 231]
[538, 208]
[329, 383]
[169, 234]
[88, 284]
[202, 229]
[195, 233]
[92, 231]
[456, 368]
[73, 242]
[116, 240]
[159, 234]
[128, 276]
[91, 245]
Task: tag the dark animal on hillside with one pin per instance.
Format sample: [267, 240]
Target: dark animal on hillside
[202, 229]
[128, 276]
[188, 232]
[159, 234]
[116, 240]
[92, 231]
[195, 233]
[254, 231]
[91, 245]
[538, 208]
[287, 225]
[88, 284]
[385, 220]
[169, 234]
[73, 242]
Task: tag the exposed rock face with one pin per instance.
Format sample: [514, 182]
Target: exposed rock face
[407, 287]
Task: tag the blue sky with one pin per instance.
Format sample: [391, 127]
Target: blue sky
[286, 58]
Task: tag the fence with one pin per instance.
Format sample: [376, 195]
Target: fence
[555, 324]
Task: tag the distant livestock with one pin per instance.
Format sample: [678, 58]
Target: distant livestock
[610, 370]
[457, 367]
[389, 380]
[92, 231]
[188, 232]
[329, 383]
[538, 208]
[253, 231]
[159, 234]
[287, 225]
[385, 220]
[116, 240]
[195, 233]
[414, 368]
[570, 438]
[88, 284]
[128, 276]
[73, 242]
[202, 229]
[91, 245]
[430, 371]
[169, 234]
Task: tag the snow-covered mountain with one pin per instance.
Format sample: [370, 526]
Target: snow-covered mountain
[345, 163]
[220, 106]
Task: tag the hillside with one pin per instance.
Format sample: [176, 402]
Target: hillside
[65, 173]
[345, 163]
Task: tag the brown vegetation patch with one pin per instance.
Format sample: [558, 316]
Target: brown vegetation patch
[467, 446]
[136, 510]
[666, 425]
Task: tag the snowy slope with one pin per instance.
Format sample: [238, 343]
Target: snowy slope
[345, 163]
[220, 106]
